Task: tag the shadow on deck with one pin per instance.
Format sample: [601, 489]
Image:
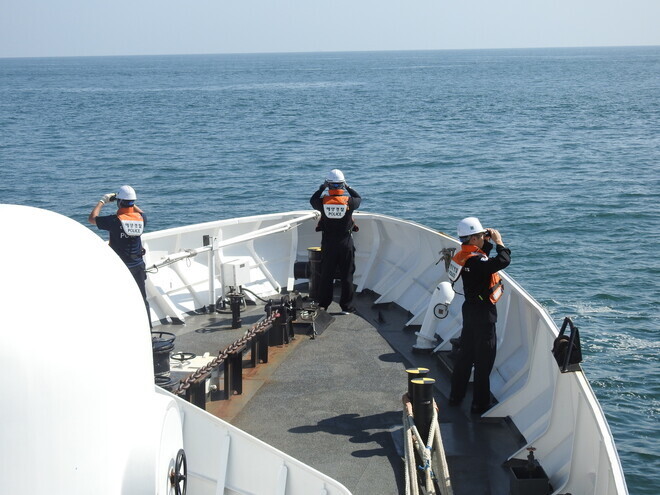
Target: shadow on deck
[334, 402]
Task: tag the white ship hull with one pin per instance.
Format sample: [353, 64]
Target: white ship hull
[557, 413]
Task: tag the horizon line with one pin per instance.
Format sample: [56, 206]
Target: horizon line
[328, 51]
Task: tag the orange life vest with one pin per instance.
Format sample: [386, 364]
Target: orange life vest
[132, 222]
[495, 287]
[335, 203]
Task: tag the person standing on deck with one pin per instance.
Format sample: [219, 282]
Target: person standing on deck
[336, 201]
[482, 288]
[125, 228]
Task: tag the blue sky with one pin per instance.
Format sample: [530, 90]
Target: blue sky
[33, 28]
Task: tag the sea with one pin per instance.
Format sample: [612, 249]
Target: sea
[557, 148]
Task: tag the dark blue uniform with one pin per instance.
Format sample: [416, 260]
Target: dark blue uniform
[128, 248]
[478, 338]
[337, 249]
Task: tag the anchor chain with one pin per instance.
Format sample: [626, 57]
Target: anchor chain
[256, 329]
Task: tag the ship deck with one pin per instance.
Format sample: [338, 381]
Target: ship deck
[334, 402]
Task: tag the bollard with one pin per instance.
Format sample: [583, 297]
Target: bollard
[423, 405]
[314, 255]
[414, 373]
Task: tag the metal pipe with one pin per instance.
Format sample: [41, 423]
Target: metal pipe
[207, 240]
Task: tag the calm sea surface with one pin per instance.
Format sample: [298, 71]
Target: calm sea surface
[557, 148]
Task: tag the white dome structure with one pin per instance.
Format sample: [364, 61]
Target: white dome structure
[80, 411]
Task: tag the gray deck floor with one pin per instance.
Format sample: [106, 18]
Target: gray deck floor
[334, 402]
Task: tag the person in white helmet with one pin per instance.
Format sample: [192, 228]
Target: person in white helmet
[482, 287]
[125, 228]
[336, 201]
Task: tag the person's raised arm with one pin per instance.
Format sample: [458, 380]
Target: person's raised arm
[356, 198]
[96, 211]
[315, 200]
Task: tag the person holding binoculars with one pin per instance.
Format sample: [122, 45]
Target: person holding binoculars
[482, 288]
[125, 228]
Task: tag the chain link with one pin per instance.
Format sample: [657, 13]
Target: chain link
[259, 327]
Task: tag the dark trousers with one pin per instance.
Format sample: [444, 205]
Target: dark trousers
[337, 258]
[140, 276]
[478, 347]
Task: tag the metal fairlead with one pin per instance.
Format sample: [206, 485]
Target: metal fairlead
[282, 331]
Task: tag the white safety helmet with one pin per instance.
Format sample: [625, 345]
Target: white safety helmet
[126, 193]
[335, 175]
[469, 226]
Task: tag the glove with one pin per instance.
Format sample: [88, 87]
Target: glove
[322, 187]
[107, 198]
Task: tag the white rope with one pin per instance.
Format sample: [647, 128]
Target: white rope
[412, 487]
[431, 454]
[440, 463]
[425, 457]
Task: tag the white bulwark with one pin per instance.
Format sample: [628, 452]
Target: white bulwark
[74, 423]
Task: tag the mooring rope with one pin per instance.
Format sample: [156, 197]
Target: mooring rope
[410, 473]
[430, 453]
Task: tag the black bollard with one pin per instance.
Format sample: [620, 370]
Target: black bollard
[414, 373]
[423, 405]
[314, 255]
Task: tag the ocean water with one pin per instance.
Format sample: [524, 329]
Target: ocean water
[559, 149]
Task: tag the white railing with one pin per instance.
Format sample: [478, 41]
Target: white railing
[557, 413]
[185, 275]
